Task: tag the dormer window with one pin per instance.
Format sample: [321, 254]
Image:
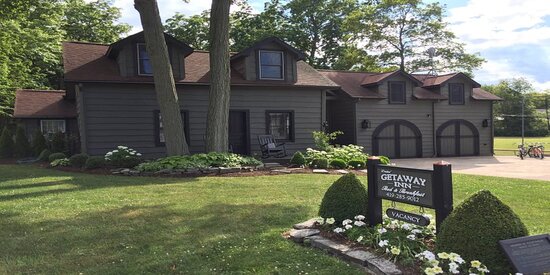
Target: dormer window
[144, 63]
[456, 94]
[271, 65]
[397, 93]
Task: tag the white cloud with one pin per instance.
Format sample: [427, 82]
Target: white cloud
[495, 70]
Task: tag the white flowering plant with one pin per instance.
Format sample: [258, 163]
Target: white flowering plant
[123, 157]
[449, 263]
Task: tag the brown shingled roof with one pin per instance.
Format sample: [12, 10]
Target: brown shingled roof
[350, 83]
[425, 94]
[87, 62]
[376, 78]
[43, 104]
[480, 94]
[431, 81]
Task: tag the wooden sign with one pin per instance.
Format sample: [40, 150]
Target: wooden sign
[528, 255]
[412, 186]
[408, 217]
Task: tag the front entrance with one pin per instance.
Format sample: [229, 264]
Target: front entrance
[397, 138]
[238, 132]
[457, 138]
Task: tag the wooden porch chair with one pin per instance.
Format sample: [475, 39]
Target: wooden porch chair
[270, 147]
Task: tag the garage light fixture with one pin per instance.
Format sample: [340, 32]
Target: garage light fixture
[485, 123]
[365, 124]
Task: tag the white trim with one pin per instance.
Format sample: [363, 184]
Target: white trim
[282, 64]
[138, 60]
[56, 120]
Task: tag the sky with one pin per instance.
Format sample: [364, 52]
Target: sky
[512, 35]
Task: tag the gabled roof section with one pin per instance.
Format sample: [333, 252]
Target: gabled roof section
[376, 78]
[43, 104]
[115, 48]
[432, 81]
[425, 94]
[246, 52]
[350, 83]
[480, 94]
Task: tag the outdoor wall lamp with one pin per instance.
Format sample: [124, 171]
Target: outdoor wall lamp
[365, 124]
[485, 123]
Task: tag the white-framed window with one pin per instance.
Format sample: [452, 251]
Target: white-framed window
[52, 126]
[280, 124]
[160, 138]
[144, 63]
[271, 65]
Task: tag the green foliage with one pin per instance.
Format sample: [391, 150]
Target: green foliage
[474, 228]
[64, 162]
[319, 163]
[123, 157]
[298, 159]
[58, 142]
[345, 153]
[357, 163]
[338, 164]
[95, 162]
[198, 161]
[323, 140]
[78, 160]
[55, 156]
[6, 143]
[192, 29]
[344, 199]
[44, 155]
[384, 160]
[38, 143]
[22, 147]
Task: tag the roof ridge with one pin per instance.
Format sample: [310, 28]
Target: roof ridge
[86, 43]
[40, 91]
[346, 71]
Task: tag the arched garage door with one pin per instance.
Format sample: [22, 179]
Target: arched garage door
[397, 139]
[456, 138]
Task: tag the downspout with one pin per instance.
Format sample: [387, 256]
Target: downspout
[434, 148]
[492, 131]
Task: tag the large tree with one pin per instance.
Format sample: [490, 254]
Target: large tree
[220, 76]
[401, 31]
[93, 21]
[193, 29]
[167, 96]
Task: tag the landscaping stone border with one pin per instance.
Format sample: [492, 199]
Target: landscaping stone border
[305, 233]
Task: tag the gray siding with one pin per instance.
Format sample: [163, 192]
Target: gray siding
[123, 115]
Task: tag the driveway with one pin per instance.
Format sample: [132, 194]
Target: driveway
[501, 166]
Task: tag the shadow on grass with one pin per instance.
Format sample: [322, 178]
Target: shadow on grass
[160, 239]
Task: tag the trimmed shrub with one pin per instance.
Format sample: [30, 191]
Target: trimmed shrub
[78, 160]
[357, 163]
[95, 162]
[6, 144]
[38, 143]
[344, 199]
[22, 146]
[474, 228]
[55, 156]
[60, 163]
[338, 164]
[123, 157]
[298, 159]
[44, 155]
[58, 143]
[321, 163]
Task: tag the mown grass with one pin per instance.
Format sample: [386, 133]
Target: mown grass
[65, 223]
[505, 144]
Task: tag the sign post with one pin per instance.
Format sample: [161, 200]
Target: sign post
[443, 192]
[374, 203]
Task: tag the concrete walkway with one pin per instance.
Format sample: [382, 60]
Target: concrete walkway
[501, 166]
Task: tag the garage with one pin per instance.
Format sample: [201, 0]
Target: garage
[456, 138]
[397, 139]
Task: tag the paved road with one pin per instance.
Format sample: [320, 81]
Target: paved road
[501, 166]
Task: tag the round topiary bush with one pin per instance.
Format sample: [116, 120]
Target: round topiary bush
[474, 228]
[321, 163]
[78, 160]
[338, 164]
[58, 142]
[55, 156]
[95, 162]
[44, 155]
[298, 159]
[344, 199]
[6, 143]
[357, 163]
[38, 143]
[22, 147]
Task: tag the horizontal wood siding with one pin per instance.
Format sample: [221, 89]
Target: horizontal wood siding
[123, 114]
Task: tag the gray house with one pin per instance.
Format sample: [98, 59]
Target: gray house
[109, 100]
[401, 115]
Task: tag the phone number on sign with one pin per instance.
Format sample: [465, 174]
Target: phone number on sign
[402, 197]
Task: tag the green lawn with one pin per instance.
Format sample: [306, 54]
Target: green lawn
[64, 223]
[511, 143]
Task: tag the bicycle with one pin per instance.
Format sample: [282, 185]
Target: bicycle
[533, 151]
[521, 153]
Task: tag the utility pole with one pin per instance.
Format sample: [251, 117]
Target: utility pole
[522, 118]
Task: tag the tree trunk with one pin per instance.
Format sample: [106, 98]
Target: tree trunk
[165, 87]
[218, 102]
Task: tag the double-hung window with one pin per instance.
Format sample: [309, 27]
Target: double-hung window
[397, 93]
[280, 124]
[456, 94]
[52, 126]
[144, 63]
[271, 65]
[160, 138]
